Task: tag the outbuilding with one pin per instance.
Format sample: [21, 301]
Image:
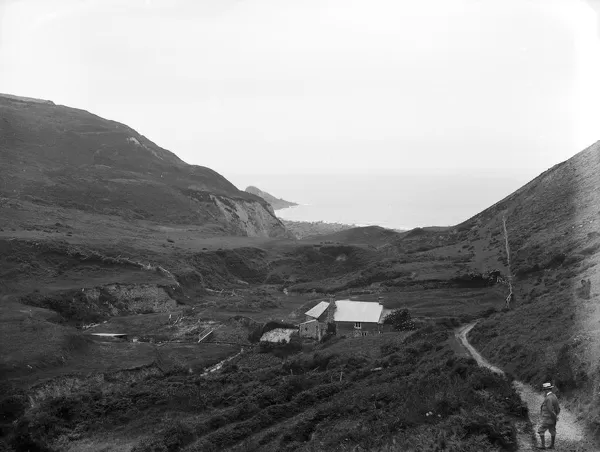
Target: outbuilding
[279, 335]
[316, 319]
[313, 329]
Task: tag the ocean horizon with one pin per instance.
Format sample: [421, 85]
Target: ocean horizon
[402, 200]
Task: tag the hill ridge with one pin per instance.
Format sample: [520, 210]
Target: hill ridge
[71, 158]
[276, 203]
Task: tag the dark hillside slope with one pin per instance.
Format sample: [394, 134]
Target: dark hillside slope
[56, 155]
[552, 331]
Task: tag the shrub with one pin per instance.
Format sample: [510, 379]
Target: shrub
[498, 429]
[25, 441]
[400, 319]
[12, 407]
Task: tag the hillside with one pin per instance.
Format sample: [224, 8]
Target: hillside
[304, 229]
[554, 235]
[59, 156]
[366, 235]
[276, 203]
[162, 267]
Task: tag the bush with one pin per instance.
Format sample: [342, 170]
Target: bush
[283, 349]
[498, 429]
[25, 442]
[12, 407]
[400, 319]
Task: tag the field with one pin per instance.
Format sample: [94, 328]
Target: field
[437, 303]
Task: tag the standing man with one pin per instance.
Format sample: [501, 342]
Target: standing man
[549, 413]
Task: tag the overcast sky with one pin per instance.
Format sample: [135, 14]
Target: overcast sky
[274, 86]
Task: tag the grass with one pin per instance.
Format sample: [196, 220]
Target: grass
[21, 349]
[445, 302]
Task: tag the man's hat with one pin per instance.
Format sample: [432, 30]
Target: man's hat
[547, 386]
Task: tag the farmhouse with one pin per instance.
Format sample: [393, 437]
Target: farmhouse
[358, 318]
[355, 318]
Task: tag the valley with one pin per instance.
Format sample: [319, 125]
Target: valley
[102, 231]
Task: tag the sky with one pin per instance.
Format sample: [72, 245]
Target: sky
[276, 92]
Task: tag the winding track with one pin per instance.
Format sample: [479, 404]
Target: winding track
[570, 435]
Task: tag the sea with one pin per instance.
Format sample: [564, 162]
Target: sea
[400, 200]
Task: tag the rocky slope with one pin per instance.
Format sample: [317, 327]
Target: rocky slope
[276, 203]
[65, 157]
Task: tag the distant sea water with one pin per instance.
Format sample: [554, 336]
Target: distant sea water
[365, 216]
[403, 200]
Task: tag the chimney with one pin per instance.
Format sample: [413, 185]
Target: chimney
[331, 310]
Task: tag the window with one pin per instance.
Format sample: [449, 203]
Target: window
[365, 333]
[357, 325]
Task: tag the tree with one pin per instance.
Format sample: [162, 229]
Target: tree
[400, 319]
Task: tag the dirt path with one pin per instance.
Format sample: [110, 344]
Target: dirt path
[569, 432]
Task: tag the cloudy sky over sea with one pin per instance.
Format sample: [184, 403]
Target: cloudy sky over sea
[395, 112]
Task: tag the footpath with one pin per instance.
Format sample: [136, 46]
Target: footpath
[570, 435]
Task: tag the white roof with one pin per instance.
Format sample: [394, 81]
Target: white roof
[318, 309]
[357, 311]
[278, 335]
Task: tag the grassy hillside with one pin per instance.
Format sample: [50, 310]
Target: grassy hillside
[65, 157]
[367, 235]
[313, 229]
[551, 334]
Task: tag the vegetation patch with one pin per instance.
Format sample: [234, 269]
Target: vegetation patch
[394, 387]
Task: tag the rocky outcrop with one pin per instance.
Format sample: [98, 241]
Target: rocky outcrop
[250, 218]
[84, 306]
[132, 298]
